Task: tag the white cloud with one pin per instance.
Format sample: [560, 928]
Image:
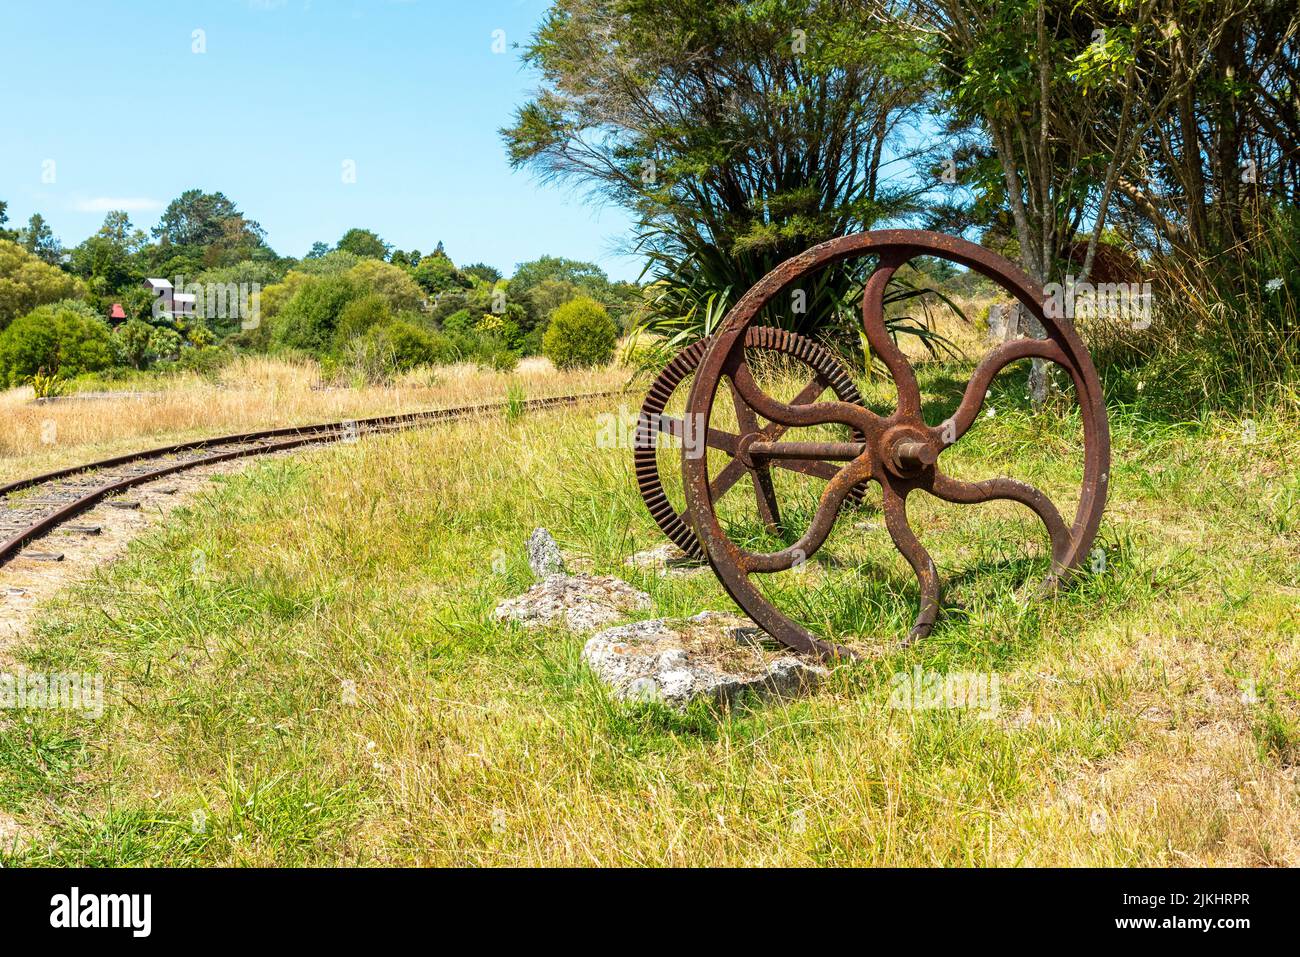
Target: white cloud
[131, 204]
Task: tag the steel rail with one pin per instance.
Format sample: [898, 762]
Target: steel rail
[293, 437]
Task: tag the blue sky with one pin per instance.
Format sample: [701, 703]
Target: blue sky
[286, 92]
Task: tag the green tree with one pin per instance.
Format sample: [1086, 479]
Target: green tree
[118, 229]
[63, 338]
[310, 320]
[580, 335]
[133, 342]
[587, 276]
[739, 133]
[547, 296]
[436, 273]
[364, 243]
[391, 282]
[38, 239]
[401, 257]
[196, 218]
[360, 315]
[489, 274]
[108, 260]
[27, 282]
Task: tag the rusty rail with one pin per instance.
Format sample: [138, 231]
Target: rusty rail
[248, 444]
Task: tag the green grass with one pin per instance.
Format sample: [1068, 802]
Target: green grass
[331, 688]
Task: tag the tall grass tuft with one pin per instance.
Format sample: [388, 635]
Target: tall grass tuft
[1225, 332]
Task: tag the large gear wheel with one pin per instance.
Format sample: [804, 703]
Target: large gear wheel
[900, 451]
[828, 373]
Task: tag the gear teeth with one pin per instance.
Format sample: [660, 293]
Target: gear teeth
[674, 524]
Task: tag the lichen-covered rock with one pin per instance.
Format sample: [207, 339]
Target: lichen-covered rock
[713, 655]
[544, 556]
[580, 602]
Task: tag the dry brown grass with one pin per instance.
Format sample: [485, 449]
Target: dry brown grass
[252, 393]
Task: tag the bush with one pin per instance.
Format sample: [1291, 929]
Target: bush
[63, 339]
[360, 315]
[1224, 332]
[462, 320]
[203, 360]
[406, 345]
[311, 318]
[392, 282]
[581, 335]
[492, 352]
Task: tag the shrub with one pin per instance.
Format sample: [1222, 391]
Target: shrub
[407, 345]
[359, 315]
[310, 319]
[392, 282]
[61, 339]
[44, 386]
[506, 326]
[492, 352]
[204, 360]
[581, 335]
[462, 320]
[165, 345]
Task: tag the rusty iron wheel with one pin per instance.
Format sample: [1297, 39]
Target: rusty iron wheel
[827, 373]
[900, 452]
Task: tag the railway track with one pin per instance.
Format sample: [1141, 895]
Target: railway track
[32, 507]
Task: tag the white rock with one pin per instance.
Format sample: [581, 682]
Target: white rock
[583, 603]
[544, 556]
[707, 656]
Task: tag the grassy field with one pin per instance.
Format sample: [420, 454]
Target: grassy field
[327, 686]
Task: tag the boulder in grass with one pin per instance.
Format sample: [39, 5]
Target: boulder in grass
[544, 556]
[582, 603]
[713, 656]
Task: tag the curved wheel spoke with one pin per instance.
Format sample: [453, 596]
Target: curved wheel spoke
[910, 547]
[873, 324]
[972, 399]
[832, 499]
[791, 416]
[969, 493]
